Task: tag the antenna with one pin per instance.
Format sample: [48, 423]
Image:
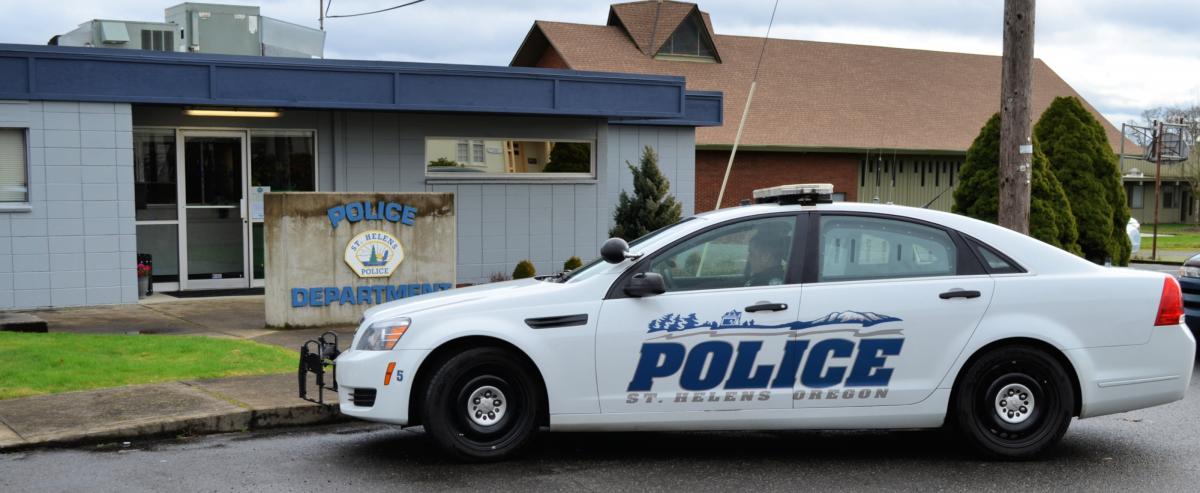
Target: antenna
[746, 109]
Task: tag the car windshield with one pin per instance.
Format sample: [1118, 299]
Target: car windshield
[591, 268]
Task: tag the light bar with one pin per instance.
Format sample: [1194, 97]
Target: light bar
[236, 113]
[801, 193]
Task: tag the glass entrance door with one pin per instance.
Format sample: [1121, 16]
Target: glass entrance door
[280, 161]
[214, 210]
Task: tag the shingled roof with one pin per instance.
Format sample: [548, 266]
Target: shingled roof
[649, 23]
[810, 95]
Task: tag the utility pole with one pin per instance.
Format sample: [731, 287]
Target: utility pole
[1156, 147]
[1016, 145]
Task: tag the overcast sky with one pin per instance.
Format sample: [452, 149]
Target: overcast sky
[1123, 56]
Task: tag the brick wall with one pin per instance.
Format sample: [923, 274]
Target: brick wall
[756, 169]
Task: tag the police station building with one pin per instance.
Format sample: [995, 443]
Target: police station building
[107, 155]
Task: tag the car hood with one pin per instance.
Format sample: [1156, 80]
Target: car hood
[458, 296]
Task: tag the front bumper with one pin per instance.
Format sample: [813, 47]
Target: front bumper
[360, 372]
[1191, 302]
[1116, 379]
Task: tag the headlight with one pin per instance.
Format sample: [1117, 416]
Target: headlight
[1189, 271]
[383, 335]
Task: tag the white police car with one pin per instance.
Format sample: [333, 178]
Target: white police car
[782, 315]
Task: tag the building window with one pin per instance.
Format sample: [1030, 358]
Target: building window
[1168, 196]
[465, 158]
[14, 185]
[689, 40]
[1136, 196]
[477, 152]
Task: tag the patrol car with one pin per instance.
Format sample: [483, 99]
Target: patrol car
[793, 313]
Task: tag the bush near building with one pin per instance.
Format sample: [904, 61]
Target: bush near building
[1085, 164]
[572, 263]
[524, 270]
[978, 192]
[651, 207]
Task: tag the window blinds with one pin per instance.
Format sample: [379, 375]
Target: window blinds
[13, 185]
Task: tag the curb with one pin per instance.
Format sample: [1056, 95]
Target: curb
[256, 419]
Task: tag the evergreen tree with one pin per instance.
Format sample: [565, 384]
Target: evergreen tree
[978, 192]
[569, 157]
[1083, 161]
[651, 206]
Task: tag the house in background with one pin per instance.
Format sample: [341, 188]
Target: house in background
[884, 124]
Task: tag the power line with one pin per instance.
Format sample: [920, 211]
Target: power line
[371, 12]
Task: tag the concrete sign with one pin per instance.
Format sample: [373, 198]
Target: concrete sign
[331, 256]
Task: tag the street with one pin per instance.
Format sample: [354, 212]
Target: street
[1156, 449]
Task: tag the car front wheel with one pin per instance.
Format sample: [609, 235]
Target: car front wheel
[1014, 402]
[481, 404]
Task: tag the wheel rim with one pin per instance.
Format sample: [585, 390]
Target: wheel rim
[1014, 403]
[1019, 429]
[486, 430]
[486, 406]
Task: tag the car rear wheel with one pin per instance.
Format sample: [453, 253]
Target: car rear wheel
[1014, 402]
[481, 404]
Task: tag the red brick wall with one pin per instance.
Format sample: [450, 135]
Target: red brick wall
[551, 59]
[756, 169]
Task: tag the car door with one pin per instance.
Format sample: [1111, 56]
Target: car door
[712, 340]
[890, 304]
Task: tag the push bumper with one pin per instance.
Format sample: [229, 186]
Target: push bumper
[368, 390]
[1124, 378]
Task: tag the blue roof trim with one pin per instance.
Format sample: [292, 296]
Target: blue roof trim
[701, 109]
[61, 73]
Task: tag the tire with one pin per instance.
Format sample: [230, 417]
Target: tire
[460, 408]
[1027, 426]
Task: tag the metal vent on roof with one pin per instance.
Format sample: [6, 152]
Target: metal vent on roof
[113, 33]
[156, 40]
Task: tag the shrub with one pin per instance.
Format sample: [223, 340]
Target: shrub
[651, 207]
[572, 263]
[499, 277]
[443, 163]
[569, 157]
[1083, 161]
[524, 270]
[978, 192]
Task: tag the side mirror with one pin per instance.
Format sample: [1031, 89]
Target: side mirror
[645, 284]
[613, 250]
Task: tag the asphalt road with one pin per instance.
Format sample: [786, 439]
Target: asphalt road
[1155, 449]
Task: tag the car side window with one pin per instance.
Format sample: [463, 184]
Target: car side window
[746, 253]
[860, 247]
[995, 263]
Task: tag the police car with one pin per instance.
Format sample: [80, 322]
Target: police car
[793, 313]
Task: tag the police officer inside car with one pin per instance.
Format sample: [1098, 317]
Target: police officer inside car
[764, 263]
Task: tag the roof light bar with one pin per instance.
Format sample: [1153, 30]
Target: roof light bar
[802, 193]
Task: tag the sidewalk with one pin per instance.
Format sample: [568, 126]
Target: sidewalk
[174, 408]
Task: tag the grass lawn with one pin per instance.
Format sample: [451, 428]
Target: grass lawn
[1183, 237]
[34, 364]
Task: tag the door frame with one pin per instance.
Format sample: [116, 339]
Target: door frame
[181, 183]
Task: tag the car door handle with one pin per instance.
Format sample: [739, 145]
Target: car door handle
[764, 306]
[959, 293]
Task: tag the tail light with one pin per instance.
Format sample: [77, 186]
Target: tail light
[1170, 305]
